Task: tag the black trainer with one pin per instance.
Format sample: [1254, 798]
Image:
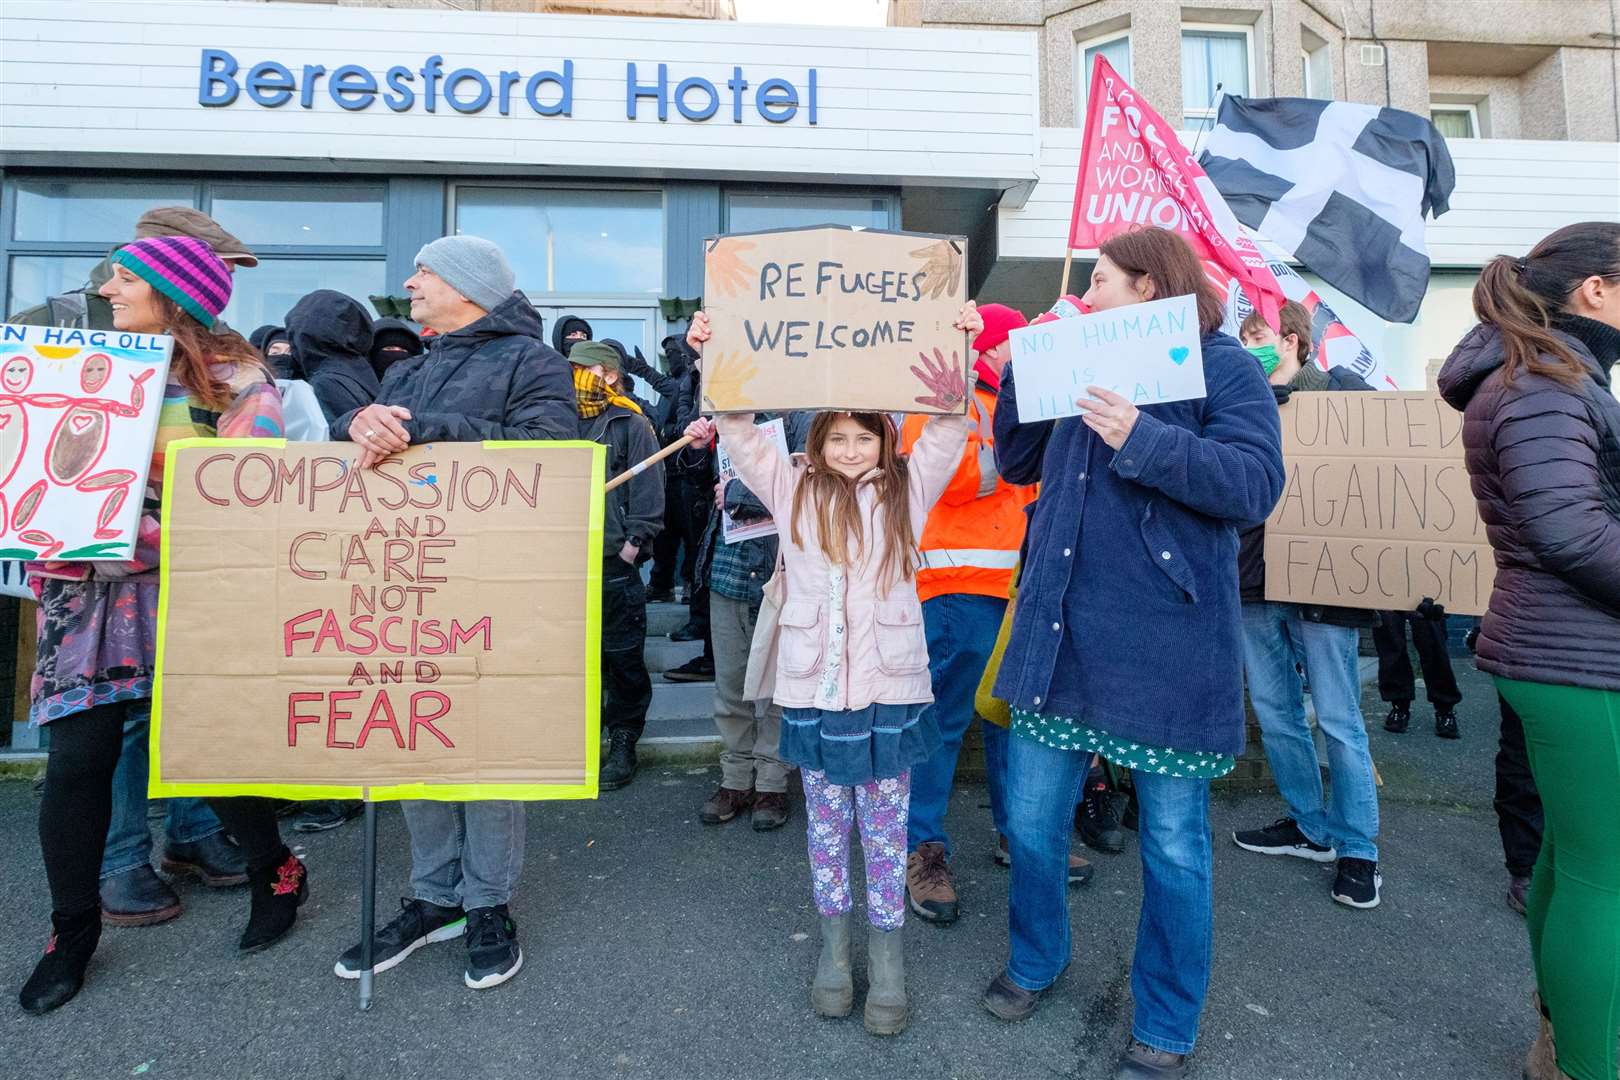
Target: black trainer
[1358, 883]
[326, 814]
[1398, 720]
[1097, 820]
[1445, 724]
[697, 669]
[1282, 837]
[493, 955]
[419, 923]
[620, 767]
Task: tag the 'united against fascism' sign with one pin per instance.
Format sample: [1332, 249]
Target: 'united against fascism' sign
[427, 629]
[1376, 511]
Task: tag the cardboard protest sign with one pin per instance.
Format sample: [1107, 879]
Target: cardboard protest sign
[1376, 511]
[78, 414]
[430, 629]
[1148, 353]
[835, 318]
[733, 531]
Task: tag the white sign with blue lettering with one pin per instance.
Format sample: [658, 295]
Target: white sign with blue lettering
[1147, 353]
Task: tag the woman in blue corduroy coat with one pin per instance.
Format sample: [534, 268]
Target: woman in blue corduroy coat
[1127, 643]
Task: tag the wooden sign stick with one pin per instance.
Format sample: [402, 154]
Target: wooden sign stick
[623, 478]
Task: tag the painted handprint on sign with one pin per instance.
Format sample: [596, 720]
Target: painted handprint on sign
[942, 262]
[724, 377]
[944, 378]
[727, 274]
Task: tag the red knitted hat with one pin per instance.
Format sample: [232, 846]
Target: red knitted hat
[999, 321]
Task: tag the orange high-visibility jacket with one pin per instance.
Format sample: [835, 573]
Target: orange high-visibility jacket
[970, 543]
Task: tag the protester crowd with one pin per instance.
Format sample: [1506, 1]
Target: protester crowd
[924, 571]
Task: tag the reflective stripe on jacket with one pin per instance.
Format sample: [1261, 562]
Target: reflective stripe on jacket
[970, 544]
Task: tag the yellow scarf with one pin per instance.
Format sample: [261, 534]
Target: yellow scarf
[593, 394]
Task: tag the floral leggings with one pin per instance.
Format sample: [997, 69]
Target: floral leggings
[882, 806]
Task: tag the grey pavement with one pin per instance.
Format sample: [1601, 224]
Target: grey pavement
[656, 947]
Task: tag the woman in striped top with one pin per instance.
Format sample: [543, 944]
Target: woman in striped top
[98, 621]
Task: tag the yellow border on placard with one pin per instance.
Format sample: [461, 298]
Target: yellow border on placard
[158, 788]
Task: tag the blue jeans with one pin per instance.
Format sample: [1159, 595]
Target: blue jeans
[1274, 636]
[466, 855]
[129, 839]
[1175, 933]
[961, 632]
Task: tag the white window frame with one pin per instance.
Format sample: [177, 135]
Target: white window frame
[1307, 56]
[1247, 30]
[1468, 107]
[1082, 77]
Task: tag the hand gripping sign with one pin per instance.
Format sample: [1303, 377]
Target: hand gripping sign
[429, 629]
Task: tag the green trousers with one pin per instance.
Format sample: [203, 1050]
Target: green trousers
[1573, 735]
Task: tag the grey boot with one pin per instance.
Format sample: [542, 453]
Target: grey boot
[886, 1010]
[833, 992]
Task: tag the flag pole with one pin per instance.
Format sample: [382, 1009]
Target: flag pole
[1068, 259]
[1203, 127]
[368, 901]
[635, 470]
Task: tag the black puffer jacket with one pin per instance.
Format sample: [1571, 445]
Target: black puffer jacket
[1544, 461]
[493, 379]
[331, 338]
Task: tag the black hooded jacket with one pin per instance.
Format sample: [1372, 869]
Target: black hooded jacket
[564, 325]
[331, 338]
[492, 379]
[387, 332]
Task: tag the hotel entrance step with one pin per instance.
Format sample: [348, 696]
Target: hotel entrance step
[682, 713]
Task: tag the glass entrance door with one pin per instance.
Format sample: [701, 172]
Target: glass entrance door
[632, 327]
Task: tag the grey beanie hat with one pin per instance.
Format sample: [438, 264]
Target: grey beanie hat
[472, 266]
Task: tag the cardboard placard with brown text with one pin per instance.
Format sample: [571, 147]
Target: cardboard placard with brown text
[429, 629]
[1376, 510]
[835, 318]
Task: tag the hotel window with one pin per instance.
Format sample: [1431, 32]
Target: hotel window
[751, 212]
[307, 236]
[1316, 69]
[1456, 121]
[1212, 57]
[582, 241]
[1116, 49]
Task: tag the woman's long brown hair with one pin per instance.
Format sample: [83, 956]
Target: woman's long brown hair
[197, 349]
[1520, 297]
[834, 498]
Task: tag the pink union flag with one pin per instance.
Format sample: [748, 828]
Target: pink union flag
[1135, 172]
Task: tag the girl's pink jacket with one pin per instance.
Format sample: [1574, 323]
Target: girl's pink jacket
[846, 640]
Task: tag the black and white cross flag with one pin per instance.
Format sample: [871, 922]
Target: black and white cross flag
[1341, 187]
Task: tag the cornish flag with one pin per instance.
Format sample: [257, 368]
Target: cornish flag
[1341, 187]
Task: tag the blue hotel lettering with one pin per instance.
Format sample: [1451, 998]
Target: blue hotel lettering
[221, 81]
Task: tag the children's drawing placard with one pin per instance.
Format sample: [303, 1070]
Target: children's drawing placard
[835, 318]
[732, 530]
[1147, 353]
[78, 413]
[428, 629]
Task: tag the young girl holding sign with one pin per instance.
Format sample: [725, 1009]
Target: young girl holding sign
[852, 661]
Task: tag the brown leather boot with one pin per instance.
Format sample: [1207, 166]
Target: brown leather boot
[929, 887]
